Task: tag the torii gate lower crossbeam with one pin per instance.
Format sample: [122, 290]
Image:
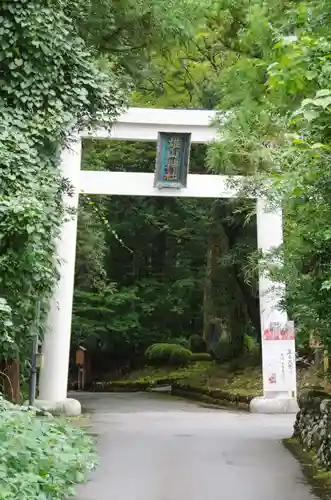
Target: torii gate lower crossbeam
[144, 124]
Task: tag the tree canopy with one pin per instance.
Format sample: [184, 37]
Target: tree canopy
[58, 75]
[267, 65]
[279, 130]
[150, 270]
[50, 86]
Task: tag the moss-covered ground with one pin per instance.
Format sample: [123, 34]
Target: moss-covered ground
[234, 377]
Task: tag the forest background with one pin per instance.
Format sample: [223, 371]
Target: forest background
[161, 270]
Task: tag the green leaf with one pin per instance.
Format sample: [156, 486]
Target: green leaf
[323, 93]
[310, 115]
[310, 75]
[323, 102]
[305, 102]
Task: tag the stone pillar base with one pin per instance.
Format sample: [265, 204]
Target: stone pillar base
[273, 405]
[69, 407]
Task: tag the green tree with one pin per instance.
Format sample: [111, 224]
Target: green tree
[278, 92]
[50, 87]
[188, 75]
[65, 66]
[130, 33]
[299, 80]
[155, 254]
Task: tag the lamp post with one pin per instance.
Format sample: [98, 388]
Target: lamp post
[34, 356]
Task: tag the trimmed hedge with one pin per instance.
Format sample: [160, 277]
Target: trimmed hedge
[168, 355]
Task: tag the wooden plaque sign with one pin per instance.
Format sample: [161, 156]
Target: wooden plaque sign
[172, 161]
[80, 356]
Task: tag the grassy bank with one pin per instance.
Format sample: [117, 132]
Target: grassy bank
[235, 377]
[318, 478]
[230, 383]
[237, 380]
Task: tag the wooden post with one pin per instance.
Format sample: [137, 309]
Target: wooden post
[80, 362]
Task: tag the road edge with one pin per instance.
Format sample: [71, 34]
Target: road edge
[318, 478]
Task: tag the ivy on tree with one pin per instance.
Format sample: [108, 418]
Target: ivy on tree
[64, 66]
[50, 87]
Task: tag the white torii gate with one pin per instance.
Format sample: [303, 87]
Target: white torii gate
[141, 124]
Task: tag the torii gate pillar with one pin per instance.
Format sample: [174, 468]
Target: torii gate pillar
[56, 346]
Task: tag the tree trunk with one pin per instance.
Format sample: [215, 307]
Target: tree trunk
[11, 379]
[208, 299]
[253, 307]
[224, 303]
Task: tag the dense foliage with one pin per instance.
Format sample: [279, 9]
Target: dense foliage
[278, 89]
[41, 457]
[302, 68]
[64, 66]
[50, 86]
[168, 355]
[266, 64]
[167, 268]
[158, 270]
[153, 270]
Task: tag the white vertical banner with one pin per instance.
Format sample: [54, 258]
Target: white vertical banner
[279, 360]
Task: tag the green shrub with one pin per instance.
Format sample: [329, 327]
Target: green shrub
[41, 457]
[201, 356]
[168, 355]
[197, 344]
[180, 356]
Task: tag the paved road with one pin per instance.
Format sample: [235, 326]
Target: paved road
[155, 448]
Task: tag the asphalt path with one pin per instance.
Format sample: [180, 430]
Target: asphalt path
[154, 447]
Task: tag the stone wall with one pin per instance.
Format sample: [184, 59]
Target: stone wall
[313, 425]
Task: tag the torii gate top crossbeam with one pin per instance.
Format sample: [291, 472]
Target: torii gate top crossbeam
[143, 124]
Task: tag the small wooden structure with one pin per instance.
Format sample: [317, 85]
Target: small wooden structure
[81, 364]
